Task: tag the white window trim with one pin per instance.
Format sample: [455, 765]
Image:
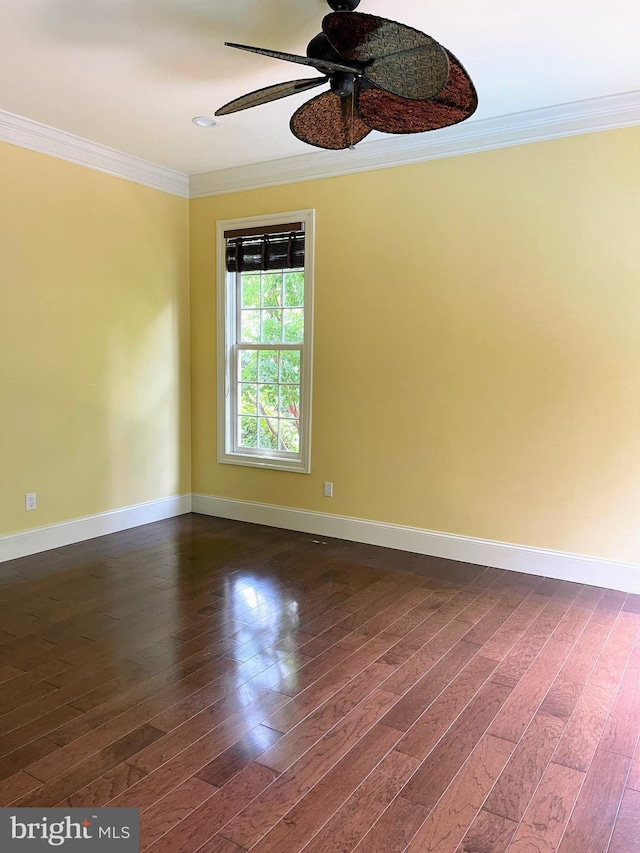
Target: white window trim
[226, 336]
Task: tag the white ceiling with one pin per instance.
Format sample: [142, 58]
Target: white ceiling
[131, 74]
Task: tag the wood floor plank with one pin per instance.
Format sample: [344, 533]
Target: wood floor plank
[25, 756]
[321, 642]
[305, 734]
[393, 831]
[25, 696]
[407, 710]
[353, 819]
[582, 734]
[623, 725]
[9, 672]
[172, 809]
[208, 699]
[488, 833]
[293, 683]
[160, 692]
[626, 832]
[518, 781]
[78, 750]
[72, 694]
[14, 787]
[420, 739]
[490, 623]
[67, 783]
[398, 600]
[41, 726]
[416, 616]
[22, 689]
[546, 817]
[447, 757]
[204, 822]
[220, 845]
[634, 773]
[105, 788]
[500, 644]
[534, 684]
[259, 817]
[528, 647]
[293, 712]
[593, 817]
[238, 755]
[250, 688]
[445, 827]
[448, 632]
[310, 813]
[173, 762]
[566, 688]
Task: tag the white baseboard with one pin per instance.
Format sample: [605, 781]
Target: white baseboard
[79, 529]
[484, 552]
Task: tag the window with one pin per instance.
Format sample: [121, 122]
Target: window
[265, 313]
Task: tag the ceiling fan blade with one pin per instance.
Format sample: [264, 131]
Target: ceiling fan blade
[396, 58]
[391, 114]
[268, 94]
[328, 121]
[324, 65]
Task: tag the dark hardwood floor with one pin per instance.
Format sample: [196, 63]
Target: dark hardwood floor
[254, 689]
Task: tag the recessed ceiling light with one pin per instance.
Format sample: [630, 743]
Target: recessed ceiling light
[205, 121]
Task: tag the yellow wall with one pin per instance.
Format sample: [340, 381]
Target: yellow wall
[479, 378]
[477, 345]
[94, 341]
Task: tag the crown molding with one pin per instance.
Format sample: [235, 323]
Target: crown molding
[26, 133]
[570, 119]
[578, 117]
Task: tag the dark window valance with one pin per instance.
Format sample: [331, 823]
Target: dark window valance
[273, 247]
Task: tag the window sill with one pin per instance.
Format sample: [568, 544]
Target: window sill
[295, 466]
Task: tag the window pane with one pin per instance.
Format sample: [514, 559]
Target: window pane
[290, 366]
[268, 370]
[250, 326]
[248, 432]
[271, 326]
[268, 399]
[289, 436]
[250, 291]
[248, 366]
[249, 399]
[265, 330]
[293, 325]
[294, 289]
[290, 401]
[268, 433]
[272, 290]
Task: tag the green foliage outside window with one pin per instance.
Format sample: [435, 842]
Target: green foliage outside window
[271, 312]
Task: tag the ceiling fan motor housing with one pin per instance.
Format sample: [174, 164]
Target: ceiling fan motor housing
[343, 5]
[342, 83]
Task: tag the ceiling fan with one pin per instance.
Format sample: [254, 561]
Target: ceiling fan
[382, 75]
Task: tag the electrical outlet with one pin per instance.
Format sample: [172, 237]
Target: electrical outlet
[328, 490]
[30, 501]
